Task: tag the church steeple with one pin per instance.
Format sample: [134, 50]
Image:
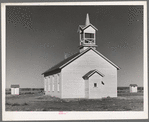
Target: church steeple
[87, 20]
[87, 35]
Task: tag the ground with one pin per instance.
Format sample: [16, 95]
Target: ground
[41, 102]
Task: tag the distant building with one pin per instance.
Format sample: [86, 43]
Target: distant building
[133, 88]
[86, 74]
[15, 89]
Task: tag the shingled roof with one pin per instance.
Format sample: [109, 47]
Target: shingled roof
[15, 86]
[57, 68]
[83, 27]
[133, 85]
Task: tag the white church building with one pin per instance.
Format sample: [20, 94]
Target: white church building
[86, 74]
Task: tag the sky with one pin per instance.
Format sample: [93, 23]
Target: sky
[38, 37]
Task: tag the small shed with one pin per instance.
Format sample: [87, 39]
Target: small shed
[15, 89]
[133, 88]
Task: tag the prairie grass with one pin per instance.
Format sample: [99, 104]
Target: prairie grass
[40, 102]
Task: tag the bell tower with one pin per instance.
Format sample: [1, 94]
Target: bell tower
[87, 34]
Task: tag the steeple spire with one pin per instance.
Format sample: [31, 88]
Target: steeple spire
[87, 20]
[87, 34]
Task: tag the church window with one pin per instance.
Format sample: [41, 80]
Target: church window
[58, 81]
[49, 84]
[89, 35]
[102, 83]
[95, 84]
[55, 80]
[45, 85]
[52, 83]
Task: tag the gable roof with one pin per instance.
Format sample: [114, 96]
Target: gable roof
[57, 66]
[87, 24]
[83, 27]
[65, 62]
[90, 73]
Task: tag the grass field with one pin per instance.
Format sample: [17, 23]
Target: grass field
[40, 102]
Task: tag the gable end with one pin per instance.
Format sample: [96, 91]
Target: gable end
[87, 51]
[57, 68]
[90, 73]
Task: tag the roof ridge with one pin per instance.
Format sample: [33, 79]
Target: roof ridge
[68, 60]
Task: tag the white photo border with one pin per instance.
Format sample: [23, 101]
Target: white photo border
[94, 115]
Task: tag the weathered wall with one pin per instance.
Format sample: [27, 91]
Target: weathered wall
[73, 83]
[87, 88]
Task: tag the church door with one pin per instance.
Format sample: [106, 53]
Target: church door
[95, 86]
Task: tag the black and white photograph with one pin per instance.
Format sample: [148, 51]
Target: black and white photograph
[66, 59]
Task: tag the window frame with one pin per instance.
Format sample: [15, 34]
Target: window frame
[53, 83]
[89, 35]
[49, 81]
[58, 83]
[45, 85]
[95, 85]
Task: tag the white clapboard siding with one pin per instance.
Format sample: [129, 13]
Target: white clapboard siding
[89, 30]
[73, 85]
[98, 91]
[53, 87]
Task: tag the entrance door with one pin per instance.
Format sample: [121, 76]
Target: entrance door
[95, 86]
